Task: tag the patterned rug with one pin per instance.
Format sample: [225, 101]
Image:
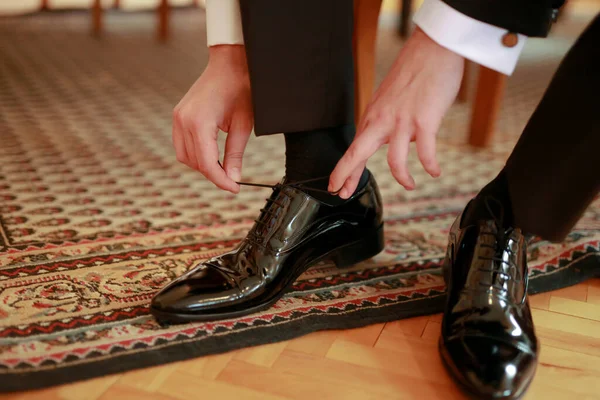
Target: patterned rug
[96, 215]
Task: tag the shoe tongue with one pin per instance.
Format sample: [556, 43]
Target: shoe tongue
[269, 211]
[490, 226]
[495, 245]
[494, 227]
[285, 184]
[503, 234]
[492, 237]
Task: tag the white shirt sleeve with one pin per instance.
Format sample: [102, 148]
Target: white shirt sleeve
[475, 40]
[223, 22]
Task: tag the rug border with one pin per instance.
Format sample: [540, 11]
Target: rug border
[184, 351]
[581, 269]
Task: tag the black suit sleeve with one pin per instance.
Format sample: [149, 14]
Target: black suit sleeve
[529, 17]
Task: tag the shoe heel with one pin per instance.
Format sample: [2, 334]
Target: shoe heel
[446, 270]
[353, 253]
[446, 264]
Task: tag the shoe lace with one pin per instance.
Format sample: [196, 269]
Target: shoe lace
[268, 210]
[500, 248]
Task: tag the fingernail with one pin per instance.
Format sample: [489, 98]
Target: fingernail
[344, 194]
[235, 174]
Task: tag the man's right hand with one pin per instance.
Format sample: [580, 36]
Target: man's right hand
[219, 99]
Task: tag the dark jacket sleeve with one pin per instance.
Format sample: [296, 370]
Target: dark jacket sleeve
[529, 17]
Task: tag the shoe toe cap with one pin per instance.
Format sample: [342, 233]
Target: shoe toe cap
[202, 288]
[491, 368]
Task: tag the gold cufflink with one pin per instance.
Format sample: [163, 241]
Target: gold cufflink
[510, 39]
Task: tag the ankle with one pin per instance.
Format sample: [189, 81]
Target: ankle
[312, 155]
[492, 202]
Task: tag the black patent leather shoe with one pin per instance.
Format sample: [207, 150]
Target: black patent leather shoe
[293, 232]
[488, 342]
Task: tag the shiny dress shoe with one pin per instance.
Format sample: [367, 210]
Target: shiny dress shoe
[293, 232]
[488, 342]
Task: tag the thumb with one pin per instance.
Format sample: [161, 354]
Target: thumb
[234, 153]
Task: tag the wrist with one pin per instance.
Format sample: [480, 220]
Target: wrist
[422, 39]
[231, 56]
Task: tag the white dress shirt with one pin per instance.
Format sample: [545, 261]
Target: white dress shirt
[475, 40]
[223, 22]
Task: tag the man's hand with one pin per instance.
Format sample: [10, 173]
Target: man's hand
[408, 106]
[219, 99]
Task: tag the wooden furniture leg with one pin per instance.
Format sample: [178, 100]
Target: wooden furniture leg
[564, 9]
[163, 20]
[97, 18]
[463, 92]
[490, 89]
[44, 5]
[406, 10]
[366, 16]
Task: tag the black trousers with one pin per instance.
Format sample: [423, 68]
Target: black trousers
[554, 171]
[300, 61]
[301, 73]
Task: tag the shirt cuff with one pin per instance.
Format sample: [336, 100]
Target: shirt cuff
[223, 22]
[475, 40]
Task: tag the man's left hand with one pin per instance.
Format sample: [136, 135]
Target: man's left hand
[408, 106]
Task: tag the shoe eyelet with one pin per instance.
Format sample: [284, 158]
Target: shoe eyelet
[249, 270]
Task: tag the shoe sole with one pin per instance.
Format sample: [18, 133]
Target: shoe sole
[343, 257]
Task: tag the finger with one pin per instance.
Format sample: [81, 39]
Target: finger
[190, 148]
[362, 122]
[179, 145]
[234, 153]
[427, 153]
[207, 158]
[398, 156]
[363, 147]
[352, 182]
[178, 135]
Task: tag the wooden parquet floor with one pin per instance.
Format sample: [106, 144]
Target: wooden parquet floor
[394, 360]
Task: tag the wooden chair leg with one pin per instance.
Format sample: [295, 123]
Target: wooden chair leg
[163, 20]
[490, 89]
[406, 10]
[97, 18]
[366, 16]
[44, 5]
[463, 92]
[564, 9]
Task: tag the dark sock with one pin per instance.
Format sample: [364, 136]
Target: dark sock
[314, 154]
[492, 202]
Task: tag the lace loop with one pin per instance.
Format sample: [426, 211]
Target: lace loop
[500, 246]
[297, 184]
[262, 221]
